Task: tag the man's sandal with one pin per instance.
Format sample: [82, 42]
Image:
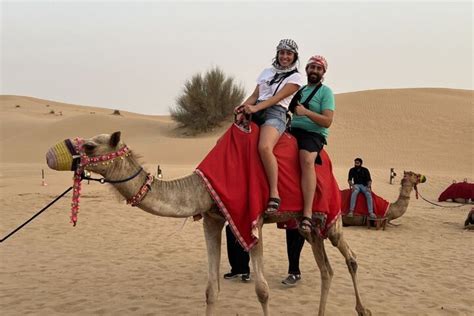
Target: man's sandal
[272, 206]
[306, 225]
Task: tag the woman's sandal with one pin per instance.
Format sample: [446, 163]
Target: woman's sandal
[305, 223]
[272, 206]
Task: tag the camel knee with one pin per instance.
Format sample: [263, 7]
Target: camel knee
[262, 290]
[352, 265]
[334, 237]
[211, 295]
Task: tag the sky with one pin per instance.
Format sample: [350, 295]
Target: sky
[136, 56]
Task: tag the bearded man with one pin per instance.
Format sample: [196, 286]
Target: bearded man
[360, 181]
[313, 111]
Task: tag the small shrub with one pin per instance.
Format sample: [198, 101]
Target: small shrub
[51, 112]
[17, 106]
[116, 112]
[207, 101]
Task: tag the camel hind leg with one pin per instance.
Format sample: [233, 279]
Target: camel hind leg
[337, 239]
[261, 285]
[213, 225]
[317, 245]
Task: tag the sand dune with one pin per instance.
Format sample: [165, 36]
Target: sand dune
[121, 261]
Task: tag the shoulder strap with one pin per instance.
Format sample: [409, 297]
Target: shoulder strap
[282, 78]
[306, 102]
[296, 98]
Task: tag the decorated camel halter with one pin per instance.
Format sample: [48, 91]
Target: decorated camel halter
[81, 160]
[419, 179]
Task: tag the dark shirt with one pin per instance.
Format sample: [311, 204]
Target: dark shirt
[359, 175]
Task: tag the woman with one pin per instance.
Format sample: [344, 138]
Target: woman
[272, 95]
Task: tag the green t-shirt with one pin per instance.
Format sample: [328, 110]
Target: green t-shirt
[322, 100]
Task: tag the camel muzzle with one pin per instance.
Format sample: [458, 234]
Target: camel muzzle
[63, 156]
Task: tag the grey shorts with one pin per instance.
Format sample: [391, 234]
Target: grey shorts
[275, 116]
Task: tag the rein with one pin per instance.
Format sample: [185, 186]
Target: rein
[86, 176]
[439, 205]
[242, 120]
[37, 214]
[81, 160]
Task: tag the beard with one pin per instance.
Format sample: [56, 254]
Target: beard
[314, 78]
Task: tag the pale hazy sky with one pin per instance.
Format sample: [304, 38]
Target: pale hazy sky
[136, 56]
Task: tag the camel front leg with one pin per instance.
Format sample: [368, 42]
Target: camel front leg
[261, 285]
[213, 233]
[337, 239]
[317, 245]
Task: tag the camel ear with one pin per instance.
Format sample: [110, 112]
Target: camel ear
[114, 139]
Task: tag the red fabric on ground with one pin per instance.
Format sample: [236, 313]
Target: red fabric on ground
[234, 175]
[460, 190]
[380, 204]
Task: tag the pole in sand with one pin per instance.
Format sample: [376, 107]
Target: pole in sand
[392, 174]
[159, 173]
[43, 181]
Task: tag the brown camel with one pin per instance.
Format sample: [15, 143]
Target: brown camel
[397, 208]
[105, 154]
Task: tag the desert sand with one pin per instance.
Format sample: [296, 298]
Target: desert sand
[120, 260]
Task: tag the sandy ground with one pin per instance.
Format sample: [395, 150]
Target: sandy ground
[120, 260]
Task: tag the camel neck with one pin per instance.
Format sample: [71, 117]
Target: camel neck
[181, 198]
[399, 207]
[124, 169]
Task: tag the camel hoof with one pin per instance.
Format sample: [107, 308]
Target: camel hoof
[364, 312]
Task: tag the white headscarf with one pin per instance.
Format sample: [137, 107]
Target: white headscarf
[287, 44]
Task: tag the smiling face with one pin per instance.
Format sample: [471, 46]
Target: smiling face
[286, 57]
[315, 73]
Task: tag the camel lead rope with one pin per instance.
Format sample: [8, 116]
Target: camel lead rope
[444, 206]
[37, 214]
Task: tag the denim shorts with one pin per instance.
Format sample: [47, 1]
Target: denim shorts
[275, 116]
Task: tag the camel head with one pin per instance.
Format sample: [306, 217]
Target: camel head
[81, 155]
[93, 154]
[412, 179]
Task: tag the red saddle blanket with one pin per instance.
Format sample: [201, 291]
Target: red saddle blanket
[234, 176]
[460, 190]
[380, 205]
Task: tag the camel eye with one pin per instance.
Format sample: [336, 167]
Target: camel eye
[89, 148]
